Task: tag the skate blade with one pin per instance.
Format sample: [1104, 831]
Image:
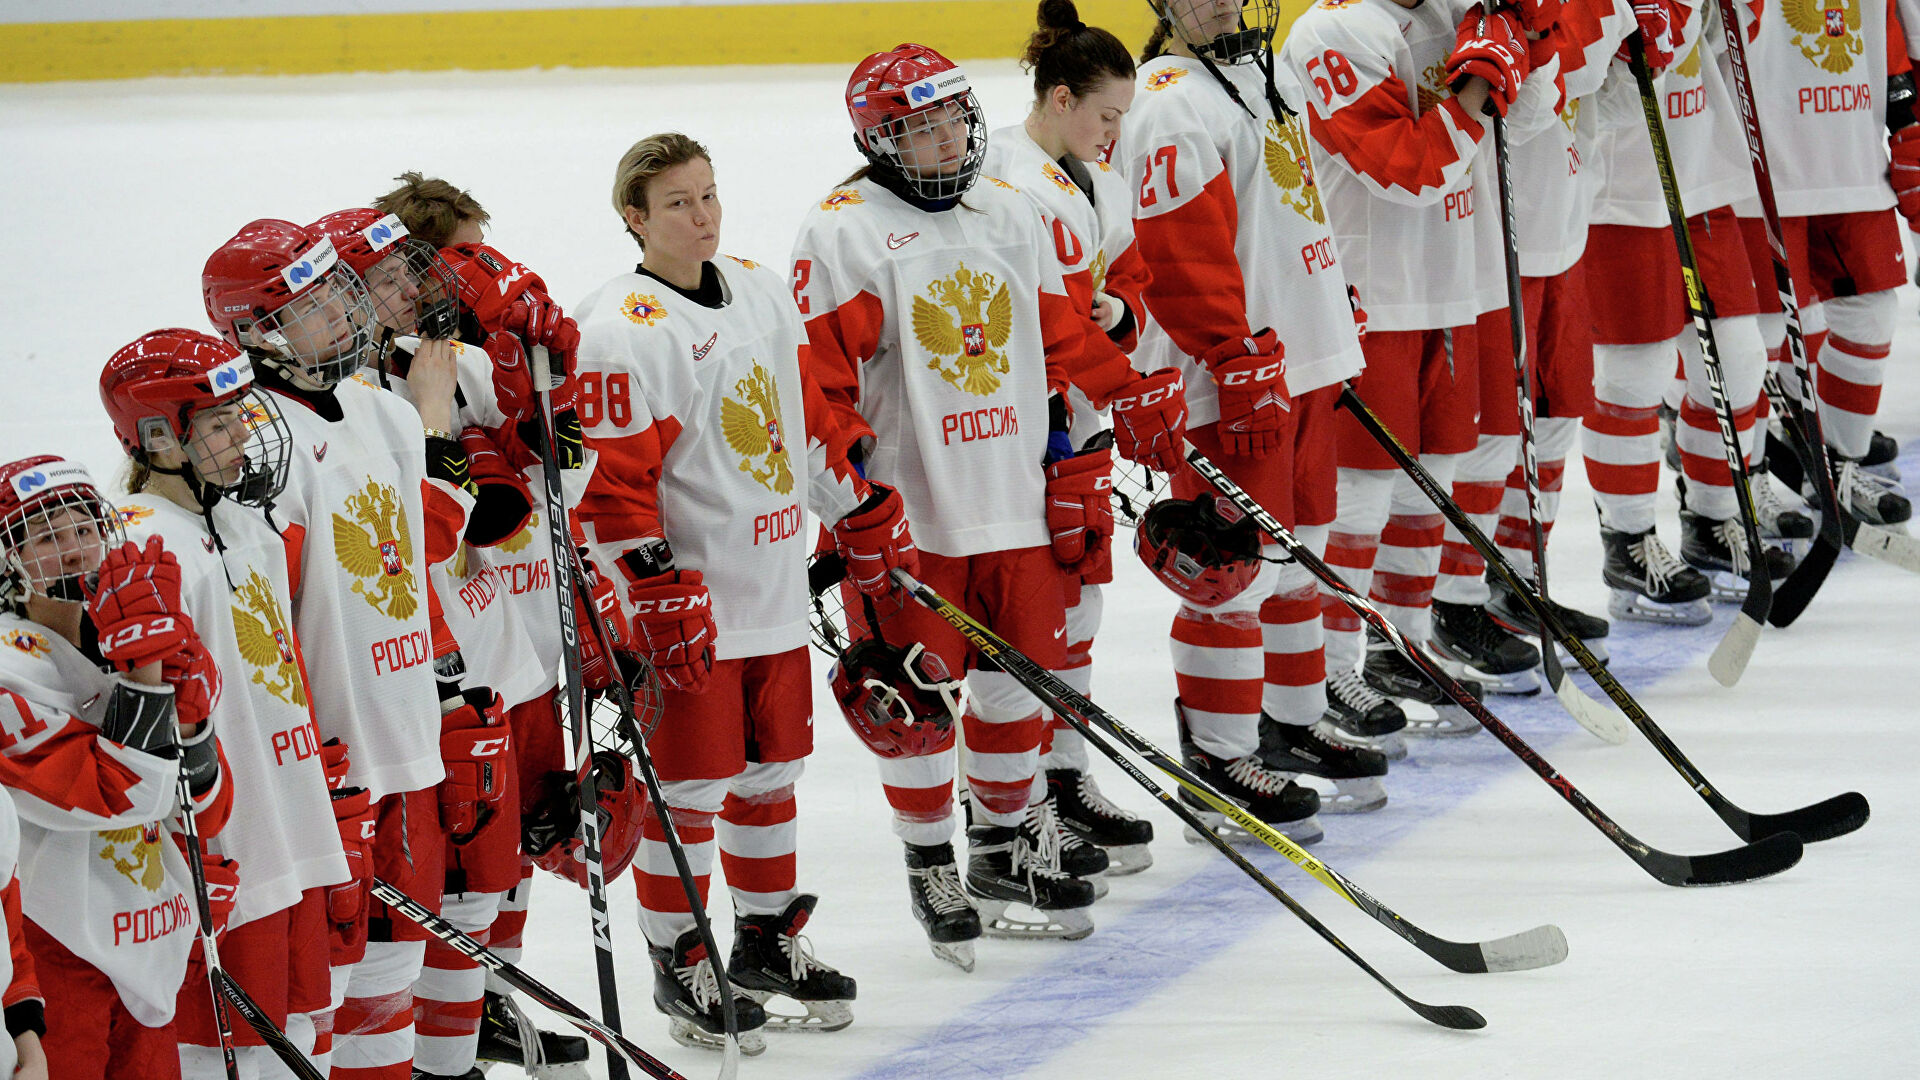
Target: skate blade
[1099, 883]
[1446, 722]
[1127, 859]
[957, 953]
[1728, 587]
[1303, 832]
[1523, 683]
[1357, 795]
[1630, 605]
[1069, 924]
[819, 1015]
[1392, 744]
[566, 1070]
[1596, 646]
[687, 1033]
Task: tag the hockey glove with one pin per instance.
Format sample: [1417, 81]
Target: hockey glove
[1537, 16]
[1252, 376]
[135, 605]
[503, 503]
[603, 614]
[223, 888]
[673, 627]
[1659, 32]
[353, 815]
[1494, 48]
[1080, 509]
[1150, 422]
[334, 763]
[476, 747]
[512, 379]
[537, 320]
[875, 541]
[1359, 313]
[195, 681]
[1905, 172]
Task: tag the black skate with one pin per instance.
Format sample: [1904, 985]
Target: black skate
[1510, 611]
[771, 958]
[1870, 496]
[1003, 869]
[506, 1033]
[1359, 715]
[941, 905]
[685, 988]
[1718, 549]
[1649, 584]
[1062, 848]
[471, 1074]
[1780, 517]
[1882, 451]
[1302, 749]
[1469, 643]
[1271, 796]
[1084, 810]
[1395, 676]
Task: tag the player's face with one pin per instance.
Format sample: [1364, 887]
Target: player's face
[935, 143]
[1200, 21]
[320, 326]
[683, 213]
[1093, 122]
[217, 443]
[61, 542]
[396, 294]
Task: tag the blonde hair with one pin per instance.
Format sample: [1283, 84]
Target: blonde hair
[430, 208]
[642, 162]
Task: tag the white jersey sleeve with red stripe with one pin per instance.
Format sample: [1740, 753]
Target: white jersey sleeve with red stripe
[1820, 78]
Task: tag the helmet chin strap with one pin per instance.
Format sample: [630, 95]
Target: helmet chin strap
[884, 172]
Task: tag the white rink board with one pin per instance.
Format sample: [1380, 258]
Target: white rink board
[116, 193]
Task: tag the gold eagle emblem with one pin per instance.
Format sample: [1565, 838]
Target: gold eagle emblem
[1433, 87]
[373, 545]
[642, 309]
[1689, 67]
[1097, 269]
[1291, 169]
[515, 544]
[266, 642]
[753, 431]
[1827, 32]
[840, 198]
[135, 852]
[971, 323]
[1570, 114]
[1059, 177]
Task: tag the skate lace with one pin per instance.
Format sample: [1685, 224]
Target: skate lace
[799, 953]
[1029, 862]
[1249, 773]
[533, 1052]
[1050, 838]
[1355, 692]
[1096, 801]
[1733, 536]
[944, 894]
[1767, 503]
[700, 981]
[1857, 486]
[1659, 563]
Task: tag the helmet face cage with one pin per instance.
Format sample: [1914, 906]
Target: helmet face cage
[52, 544]
[414, 291]
[900, 702]
[241, 446]
[327, 332]
[1224, 31]
[1135, 487]
[937, 150]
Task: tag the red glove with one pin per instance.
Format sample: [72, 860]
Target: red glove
[1252, 375]
[489, 282]
[1150, 423]
[673, 626]
[1659, 32]
[1905, 172]
[223, 888]
[1537, 16]
[1494, 48]
[539, 321]
[875, 541]
[195, 681]
[1080, 507]
[597, 668]
[503, 501]
[476, 747]
[512, 378]
[135, 605]
[333, 762]
[353, 815]
[1359, 313]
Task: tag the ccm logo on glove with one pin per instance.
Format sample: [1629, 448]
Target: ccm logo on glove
[1266, 374]
[670, 604]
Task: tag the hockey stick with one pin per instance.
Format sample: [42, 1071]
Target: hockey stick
[1824, 820]
[618, 1047]
[1076, 710]
[1753, 860]
[1539, 947]
[1729, 659]
[575, 705]
[1585, 711]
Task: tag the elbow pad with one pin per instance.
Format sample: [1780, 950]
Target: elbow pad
[141, 717]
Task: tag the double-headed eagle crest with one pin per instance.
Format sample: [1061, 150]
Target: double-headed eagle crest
[260, 629]
[135, 852]
[1292, 169]
[1432, 89]
[971, 323]
[1827, 32]
[372, 545]
[753, 431]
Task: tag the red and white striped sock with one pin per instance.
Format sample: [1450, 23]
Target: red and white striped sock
[1295, 686]
[920, 791]
[758, 837]
[1002, 725]
[664, 911]
[1062, 747]
[1219, 667]
[1353, 543]
[373, 1029]
[1853, 365]
[1620, 437]
[1409, 558]
[1554, 437]
[447, 996]
[1479, 481]
[1703, 456]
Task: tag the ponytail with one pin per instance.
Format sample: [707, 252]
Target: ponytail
[1064, 51]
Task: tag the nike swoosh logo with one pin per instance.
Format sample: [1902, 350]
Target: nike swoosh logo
[1060, 633]
[898, 242]
[320, 452]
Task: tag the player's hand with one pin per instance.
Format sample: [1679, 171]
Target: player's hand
[223, 888]
[539, 321]
[335, 764]
[31, 1057]
[1150, 421]
[1905, 172]
[1493, 47]
[875, 540]
[1359, 313]
[512, 377]
[597, 668]
[135, 606]
[475, 747]
[196, 685]
[1107, 311]
[1659, 27]
[1252, 376]
[433, 377]
[1080, 509]
[354, 817]
[673, 627]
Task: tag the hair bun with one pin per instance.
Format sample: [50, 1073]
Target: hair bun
[1060, 15]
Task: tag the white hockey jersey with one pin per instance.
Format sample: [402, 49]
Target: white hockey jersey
[282, 831]
[1228, 214]
[941, 335]
[367, 523]
[708, 433]
[17, 973]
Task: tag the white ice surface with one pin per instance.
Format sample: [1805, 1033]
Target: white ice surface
[111, 196]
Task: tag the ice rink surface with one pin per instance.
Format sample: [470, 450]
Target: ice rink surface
[113, 194]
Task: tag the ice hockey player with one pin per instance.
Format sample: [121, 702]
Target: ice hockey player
[21, 1054]
[105, 692]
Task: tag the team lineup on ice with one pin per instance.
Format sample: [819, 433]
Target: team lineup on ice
[1127, 458]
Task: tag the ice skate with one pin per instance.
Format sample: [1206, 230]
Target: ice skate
[506, 1033]
[1780, 516]
[1649, 584]
[1882, 451]
[1084, 810]
[1004, 869]
[1718, 550]
[941, 905]
[1359, 715]
[1469, 643]
[1870, 496]
[771, 959]
[1395, 676]
[471, 1074]
[1063, 849]
[1510, 611]
[1302, 749]
[1271, 796]
[685, 988]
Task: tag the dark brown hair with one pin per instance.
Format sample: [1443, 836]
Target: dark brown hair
[430, 208]
[1064, 51]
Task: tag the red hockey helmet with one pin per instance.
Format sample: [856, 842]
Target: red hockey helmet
[908, 105]
[413, 288]
[551, 833]
[55, 527]
[1219, 30]
[281, 292]
[184, 391]
[900, 702]
[1201, 548]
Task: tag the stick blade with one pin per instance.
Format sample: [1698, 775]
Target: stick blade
[1605, 723]
[1895, 548]
[1730, 657]
[1542, 946]
[1797, 591]
[1762, 858]
[1457, 1017]
[1823, 820]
